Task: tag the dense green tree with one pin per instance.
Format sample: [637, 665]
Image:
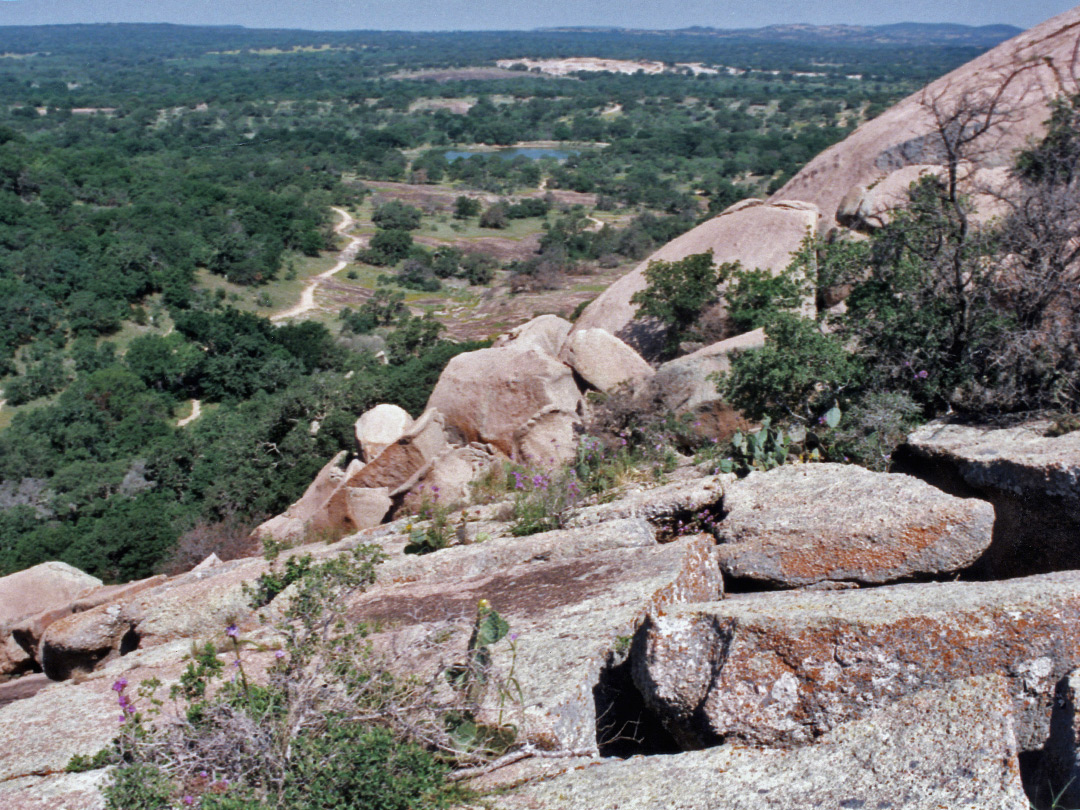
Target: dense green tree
[397, 215]
[678, 292]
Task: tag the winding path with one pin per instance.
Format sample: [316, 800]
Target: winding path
[196, 412]
[307, 297]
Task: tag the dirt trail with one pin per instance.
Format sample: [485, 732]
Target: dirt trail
[196, 412]
[307, 298]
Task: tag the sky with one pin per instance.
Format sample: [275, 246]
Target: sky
[465, 15]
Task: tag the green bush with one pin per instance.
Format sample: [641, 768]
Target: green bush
[139, 786]
[351, 766]
[397, 215]
[678, 292]
[800, 373]
[874, 427]
[756, 296]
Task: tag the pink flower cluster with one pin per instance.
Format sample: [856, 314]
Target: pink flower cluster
[126, 703]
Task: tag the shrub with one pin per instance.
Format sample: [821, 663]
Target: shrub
[543, 500]
[677, 292]
[874, 427]
[756, 296]
[800, 373]
[396, 215]
[465, 207]
[350, 766]
[438, 533]
[387, 247]
[332, 728]
[495, 217]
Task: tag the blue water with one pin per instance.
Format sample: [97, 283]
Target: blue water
[531, 152]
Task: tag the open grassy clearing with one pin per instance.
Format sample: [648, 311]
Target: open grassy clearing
[267, 299]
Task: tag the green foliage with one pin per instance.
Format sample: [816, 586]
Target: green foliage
[755, 297]
[413, 337]
[41, 379]
[384, 308]
[438, 533]
[387, 247]
[203, 667]
[417, 274]
[874, 426]
[80, 763]
[273, 582]
[678, 292]
[119, 484]
[760, 450]
[349, 766]
[227, 159]
[800, 372]
[528, 207]
[138, 786]
[923, 319]
[465, 207]
[496, 216]
[543, 500]
[397, 215]
[472, 680]
[296, 743]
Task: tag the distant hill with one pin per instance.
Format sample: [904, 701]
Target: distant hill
[923, 34]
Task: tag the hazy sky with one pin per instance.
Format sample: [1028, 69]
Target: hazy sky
[525, 14]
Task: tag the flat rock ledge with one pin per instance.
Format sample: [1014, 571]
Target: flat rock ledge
[1031, 478]
[779, 669]
[802, 524]
[568, 610]
[951, 747]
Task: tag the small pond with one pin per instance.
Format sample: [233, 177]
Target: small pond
[510, 152]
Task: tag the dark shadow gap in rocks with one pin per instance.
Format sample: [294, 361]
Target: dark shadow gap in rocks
[625, 726]
[737, 586]
[684, 522]
[130, 642]
[1032, 535]
[26, 641]
[1036, 786]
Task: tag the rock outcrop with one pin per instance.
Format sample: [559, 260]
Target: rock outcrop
[30, 600]
[602, 360]
[1059, 784]
[545, 332]
[1032, 480]
[782, 668]
[488, 395]
[568, 605]
[809, 523]
[450, 476]
[757, 234]
[950, 747]
[293, 522]
[186, 607]
[379, 428]
[687, 384]
[1015, 81]
[744, 642]
[422, 443]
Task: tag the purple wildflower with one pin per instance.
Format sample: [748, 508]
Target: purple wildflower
[231, 631]
[189, 800]
[120, 685]
[279, 655]
[922, 375]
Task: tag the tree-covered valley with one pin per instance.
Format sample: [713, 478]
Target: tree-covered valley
[164, 191]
